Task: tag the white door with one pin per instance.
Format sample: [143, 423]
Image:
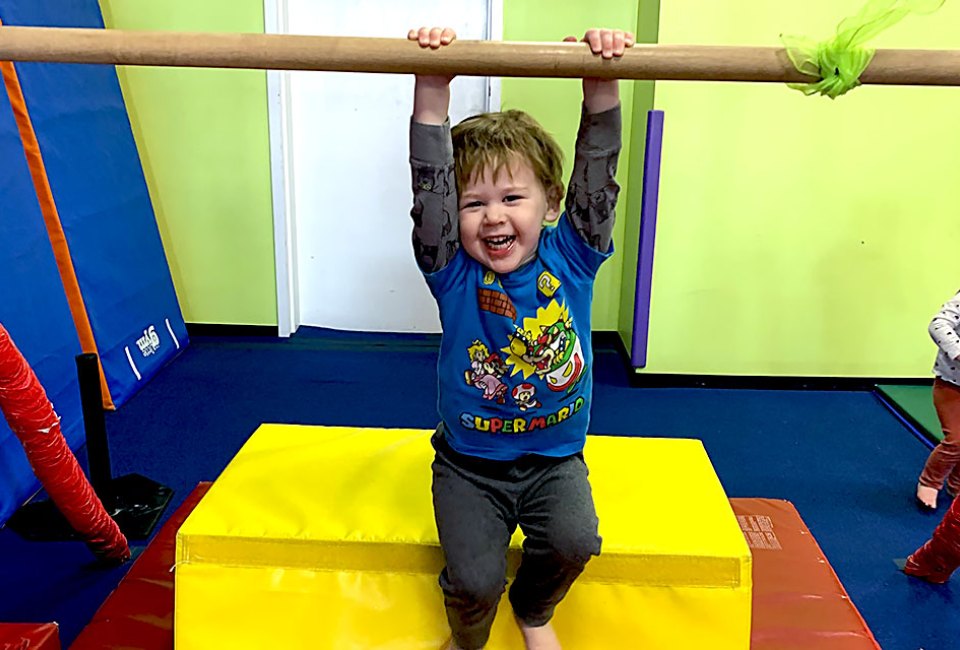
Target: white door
[344, 255]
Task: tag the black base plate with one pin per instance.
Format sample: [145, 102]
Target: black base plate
[135, 502]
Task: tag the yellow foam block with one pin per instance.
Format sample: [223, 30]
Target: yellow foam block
[323, 537]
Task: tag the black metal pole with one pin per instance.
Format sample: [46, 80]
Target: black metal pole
[94, 423]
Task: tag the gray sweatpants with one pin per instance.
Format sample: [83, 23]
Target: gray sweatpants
[478, 504]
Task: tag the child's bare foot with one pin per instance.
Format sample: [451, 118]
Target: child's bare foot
[539, 638]
[927, 496]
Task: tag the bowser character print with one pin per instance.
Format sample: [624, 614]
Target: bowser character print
[548, 346]
[485, 372]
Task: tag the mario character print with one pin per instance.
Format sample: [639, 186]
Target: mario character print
[486, 370]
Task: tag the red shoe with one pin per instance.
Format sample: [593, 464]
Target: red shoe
[915, 568]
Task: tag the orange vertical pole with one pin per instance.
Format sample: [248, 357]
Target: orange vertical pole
[51, 218]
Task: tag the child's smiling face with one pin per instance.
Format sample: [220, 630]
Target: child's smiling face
[501, 215]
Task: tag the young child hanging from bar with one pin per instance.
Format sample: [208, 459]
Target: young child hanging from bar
[512, 274]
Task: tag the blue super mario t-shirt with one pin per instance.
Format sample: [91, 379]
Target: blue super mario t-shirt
[515, 358]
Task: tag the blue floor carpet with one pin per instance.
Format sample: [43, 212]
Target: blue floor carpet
[845, 462]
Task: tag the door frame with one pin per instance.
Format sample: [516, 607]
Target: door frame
[281, 162]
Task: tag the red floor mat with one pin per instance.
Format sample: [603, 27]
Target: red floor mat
[798, 602]
[29, 636]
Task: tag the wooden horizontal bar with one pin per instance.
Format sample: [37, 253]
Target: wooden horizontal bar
[470, 58]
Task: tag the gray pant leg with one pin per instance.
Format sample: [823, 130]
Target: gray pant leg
[559, 521]
[475, 526]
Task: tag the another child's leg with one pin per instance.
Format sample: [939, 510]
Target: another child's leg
[953, 482]
[559, 520]
[936, 560]
[947, 400]
[475, 530]
[945, 458]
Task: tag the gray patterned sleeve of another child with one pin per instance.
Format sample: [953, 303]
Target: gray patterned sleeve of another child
[436, 233]
[943, 327]
[592, 195]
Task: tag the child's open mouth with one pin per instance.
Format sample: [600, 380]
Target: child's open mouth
[499, 244]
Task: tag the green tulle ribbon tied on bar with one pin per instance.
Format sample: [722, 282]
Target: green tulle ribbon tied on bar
[839, 61]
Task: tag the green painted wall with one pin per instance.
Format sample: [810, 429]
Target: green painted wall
[798, 235]
[555, 103]
[204, 147]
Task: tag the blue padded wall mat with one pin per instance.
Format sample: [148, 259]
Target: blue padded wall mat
[34, 310]
[91, 159]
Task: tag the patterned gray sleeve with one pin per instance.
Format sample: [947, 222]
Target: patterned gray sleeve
[436, 233]
[943, 328]
[592, 194]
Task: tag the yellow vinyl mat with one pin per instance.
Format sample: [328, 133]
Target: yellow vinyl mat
[323, 537]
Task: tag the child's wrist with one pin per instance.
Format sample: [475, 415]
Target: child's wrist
[431, 101]
[600, 95]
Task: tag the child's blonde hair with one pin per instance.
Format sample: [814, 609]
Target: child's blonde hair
[495, 140]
